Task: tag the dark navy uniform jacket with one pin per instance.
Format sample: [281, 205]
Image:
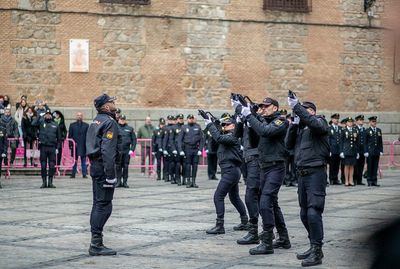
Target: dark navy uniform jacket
[309, 139]
[169, 138]
[272, 131]
[210, 144]
[101, 142]
[77, 131]
[334, 139]
[190, 137]
[373, 141]
[229, 153]
[127, 139]
[361, 146]
[349, 141]
[49, 132]
[157, 139]
[250, 140]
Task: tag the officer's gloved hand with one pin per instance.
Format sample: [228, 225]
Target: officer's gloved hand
[296, 120]
[358, 156]
[235, 104]
[56, 151]
[3, 155]
[292, 101]
[174, 152]
[366, 154]
[241, 148]
[245, 111]
[207, 121]
[207, 151]
[342, 155]
[330, 154]
[160, 150]
[110, 183]
[238, 119]
[381, 153]
[165, 152]
[130, 152]
[182, 153]
[153, 153]
[199, 153]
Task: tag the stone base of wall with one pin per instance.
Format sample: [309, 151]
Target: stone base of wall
[389, 122]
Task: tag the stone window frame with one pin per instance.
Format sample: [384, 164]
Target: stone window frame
[126, 2]
[303, 6]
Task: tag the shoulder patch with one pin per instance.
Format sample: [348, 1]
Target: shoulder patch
[109, 135]
[278, 122]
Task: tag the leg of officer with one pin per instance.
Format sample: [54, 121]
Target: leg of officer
[171, 167]
[237, 202]
[125, 169]
[271, 183]
[369, 170]
[212, 162]
[315, 191]
[52, 165]
[194, 164]
[159, 160]
[375, 169]
[84, 166]
[43, 166]
[143, 158]
[188, 167]
[118, 169]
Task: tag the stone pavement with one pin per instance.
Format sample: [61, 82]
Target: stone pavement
[159, 225]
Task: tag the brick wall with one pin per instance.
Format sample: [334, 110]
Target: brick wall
[192, 53]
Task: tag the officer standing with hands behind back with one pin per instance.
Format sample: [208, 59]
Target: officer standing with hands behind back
[101, 148]
[308, 135]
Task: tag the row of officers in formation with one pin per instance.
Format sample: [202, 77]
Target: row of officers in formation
[257, 139]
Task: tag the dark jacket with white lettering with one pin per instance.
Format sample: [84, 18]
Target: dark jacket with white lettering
[272, 131]
[101, 142]
[190, 137]
[373, 142]
[310, 139]
[49, 132]
[228, 153]
[127, 139]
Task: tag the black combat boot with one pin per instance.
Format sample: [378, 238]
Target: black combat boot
[315, 257]
[304, 255]
[125, 184]
[180, 181]
[194, 183]
[218, 229]
[189, 183]
[44, 183]
[183, 181]
[97, 248]
[118, 184]
[50, 184]
[265, 247]
[242, 226]
[251, 237]
[1, 186]
[283, 240]
[158, 175]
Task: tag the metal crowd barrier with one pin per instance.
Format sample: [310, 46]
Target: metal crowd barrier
[390, 159]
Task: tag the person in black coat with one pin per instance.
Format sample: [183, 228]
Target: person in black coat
[334, 143]
[59, 119]
[349, 143]
[12, 132]
[211, 147]
[77, 132]
[29, 133]
[3, 147]
[373, 150]
[359, 168]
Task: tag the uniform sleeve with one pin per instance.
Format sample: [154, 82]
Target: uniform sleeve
[133, 140]
[239, 130]
[229, 140]
[275, 128]
[70, 131]
[153, 141]
[380, 141]
[180, 138]
[315, 123]
[366, 141]
[202, 139]
[291, 136]
[165, 139]
[109, 142]
[341, 143]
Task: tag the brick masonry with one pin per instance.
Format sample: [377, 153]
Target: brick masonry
[191, 54]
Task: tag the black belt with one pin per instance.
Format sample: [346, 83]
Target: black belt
[269, 164]
[305, 171]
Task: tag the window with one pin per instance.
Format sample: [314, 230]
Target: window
[135, 2]
[288, 5]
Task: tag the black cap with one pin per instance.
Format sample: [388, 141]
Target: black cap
[343, 121]
[269, 101]
[161, 121]
[335, 116]
[180, 116]
[103, 99]
[309, 105]
[170, 117]
[122, 117]
[359, 117]
[348, 119]
[283, 111]
[373, 118]
[225, 115]
[118, 111]
[48, 111]
[190, 116]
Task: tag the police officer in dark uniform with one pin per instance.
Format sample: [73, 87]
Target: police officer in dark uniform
[157, 139]
[290, 177]
[126, 146]
[49, 139]
[230, 159]
[169, 149]
[102, 150]
[334, 142]
[272, 154]
[373, 150]
[3, 146]
[190, 144]
[359, 168]
[250, 153]
[349, 143]
[179, 159]
[211, 147]
[308, 135]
